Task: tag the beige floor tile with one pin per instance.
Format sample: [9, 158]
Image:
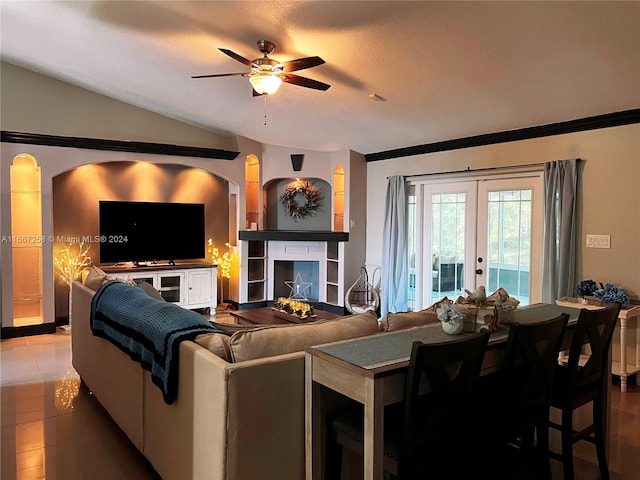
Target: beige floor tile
[27, 410]
[19, 391]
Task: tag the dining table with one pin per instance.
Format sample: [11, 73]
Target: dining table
[372, 370]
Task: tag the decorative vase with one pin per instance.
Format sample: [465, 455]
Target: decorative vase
[453, 327]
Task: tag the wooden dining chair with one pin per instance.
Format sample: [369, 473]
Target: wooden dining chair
[517, 415]
[431, 431]
[580, 380]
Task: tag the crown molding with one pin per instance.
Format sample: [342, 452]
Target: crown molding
[589, 123]
[116, 145]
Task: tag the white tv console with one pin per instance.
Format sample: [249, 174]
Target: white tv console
[189, 285]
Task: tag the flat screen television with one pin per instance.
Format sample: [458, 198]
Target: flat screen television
[151, 231]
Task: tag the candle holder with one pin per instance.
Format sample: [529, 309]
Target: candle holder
[293, 310]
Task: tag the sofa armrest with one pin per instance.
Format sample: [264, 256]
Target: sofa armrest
[266, 416]
[230, 421]
[187, 440]
[113, 378]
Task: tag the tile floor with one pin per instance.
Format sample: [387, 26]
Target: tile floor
[53, 428]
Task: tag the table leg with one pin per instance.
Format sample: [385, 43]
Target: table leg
[637, 344]
[623, 354]
[373, 429]
[312, 423]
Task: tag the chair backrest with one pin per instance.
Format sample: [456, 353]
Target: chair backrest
[595, 329]
[448, 372]
[530, 357]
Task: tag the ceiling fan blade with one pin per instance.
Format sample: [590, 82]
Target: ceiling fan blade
[301, 64]
[304, 82]
[237, 57]
[218, 75]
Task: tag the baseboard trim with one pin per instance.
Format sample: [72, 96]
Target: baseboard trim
[27, 330]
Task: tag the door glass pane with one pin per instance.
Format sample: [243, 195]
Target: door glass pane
[509, 242]
[447, 244]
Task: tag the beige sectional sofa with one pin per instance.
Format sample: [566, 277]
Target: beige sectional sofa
[239, 412]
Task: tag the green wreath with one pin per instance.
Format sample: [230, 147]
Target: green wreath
[313, 199]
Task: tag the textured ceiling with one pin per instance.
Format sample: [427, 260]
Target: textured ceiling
[446, 69]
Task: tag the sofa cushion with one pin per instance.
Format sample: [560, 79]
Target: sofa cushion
[216, 343]
[95, 278]
[150, 290]
[271, 341]
[402, 320]
[231, 328]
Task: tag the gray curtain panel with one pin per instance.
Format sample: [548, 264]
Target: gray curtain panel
[559, 258]
[394, 271]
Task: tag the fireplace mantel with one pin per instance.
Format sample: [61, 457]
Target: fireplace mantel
[293, 236]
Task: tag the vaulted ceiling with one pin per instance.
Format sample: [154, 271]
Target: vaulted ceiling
[445, 70]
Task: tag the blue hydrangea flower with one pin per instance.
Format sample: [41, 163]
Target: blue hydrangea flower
[612, 294]
[586, 288]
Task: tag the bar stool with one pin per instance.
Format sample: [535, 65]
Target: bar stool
[517, 416]
[427, 433]
[581, 380]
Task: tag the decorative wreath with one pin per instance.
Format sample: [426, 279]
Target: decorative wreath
[312, 195]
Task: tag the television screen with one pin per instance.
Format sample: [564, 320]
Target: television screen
[151, 231]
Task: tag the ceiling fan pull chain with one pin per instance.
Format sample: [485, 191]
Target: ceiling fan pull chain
[265, 109]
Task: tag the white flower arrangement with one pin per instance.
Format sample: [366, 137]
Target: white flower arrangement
[447, 312]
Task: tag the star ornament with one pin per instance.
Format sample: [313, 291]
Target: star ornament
[299, 288]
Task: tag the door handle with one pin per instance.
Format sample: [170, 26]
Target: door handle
[479, 271]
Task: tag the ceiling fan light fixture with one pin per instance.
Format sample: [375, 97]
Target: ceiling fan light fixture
[265, 82]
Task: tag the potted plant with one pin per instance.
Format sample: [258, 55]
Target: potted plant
[451, 318]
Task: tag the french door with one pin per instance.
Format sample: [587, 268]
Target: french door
[481, 231]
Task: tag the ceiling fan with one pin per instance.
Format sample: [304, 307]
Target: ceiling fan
[266, 74]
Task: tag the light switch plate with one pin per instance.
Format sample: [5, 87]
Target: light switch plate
[598, 241]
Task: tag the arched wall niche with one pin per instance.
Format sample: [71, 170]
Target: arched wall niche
[252, 198]
[27, 240]
[56, 161]
[76, 193]
[278, 219]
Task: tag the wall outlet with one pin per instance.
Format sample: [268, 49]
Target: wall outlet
[598, 241]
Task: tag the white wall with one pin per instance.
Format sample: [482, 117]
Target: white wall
[34, 103]
[609, 199]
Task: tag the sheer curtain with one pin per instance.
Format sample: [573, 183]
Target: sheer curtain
[393, 273]
[559, 261]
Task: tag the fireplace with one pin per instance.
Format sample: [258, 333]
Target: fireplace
[305, 265]
[296, 279]
[296, 268]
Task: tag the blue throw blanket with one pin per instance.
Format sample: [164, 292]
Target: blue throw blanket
[148, 330]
